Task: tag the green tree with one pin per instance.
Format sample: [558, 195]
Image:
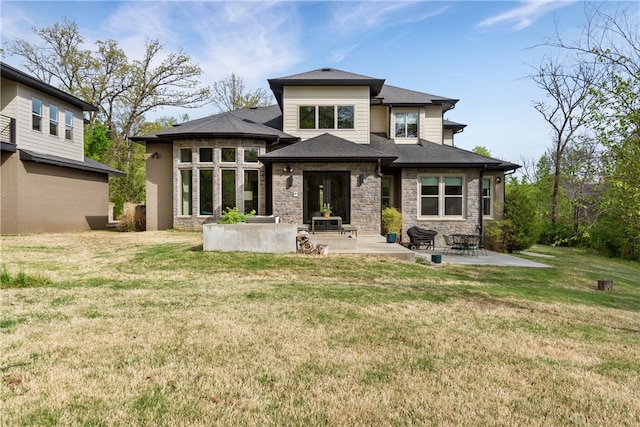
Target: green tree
[484, 151]
[231, 94]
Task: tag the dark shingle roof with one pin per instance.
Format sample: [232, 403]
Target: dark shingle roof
[429, 154]
[326, 147]
[10, 73]
[457, 127]
[324, 77]
[246, 122]
[86, 165]
[392, 95]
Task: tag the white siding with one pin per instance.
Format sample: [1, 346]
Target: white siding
[448, 136]
[358, 96]
[8, 98]
[431, 124]
[380, 119]
[41, 141]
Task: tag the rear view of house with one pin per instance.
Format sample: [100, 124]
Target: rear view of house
[334, 138]
[47, 184]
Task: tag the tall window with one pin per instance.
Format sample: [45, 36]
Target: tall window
[486, 197]
[228, 188]
[326, 117]
[441, 196]
[36, 114]
[68, 125]
[53, 120]
[250, 190]
[406, 125]
[185, 191]
[206, 192]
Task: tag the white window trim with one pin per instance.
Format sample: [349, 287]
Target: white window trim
[40, 114]
[406, 138]
[54, 120]
[441, 197]
[492, 193]
[244, 161]
[68, 126]
[317, 117]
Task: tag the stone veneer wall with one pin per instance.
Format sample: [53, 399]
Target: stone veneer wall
[288, 203]
[196, 221]
[467, 225]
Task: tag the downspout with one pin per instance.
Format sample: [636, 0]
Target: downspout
[480, 207]
[378, 170]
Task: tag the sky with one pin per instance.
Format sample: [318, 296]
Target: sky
[479, 52]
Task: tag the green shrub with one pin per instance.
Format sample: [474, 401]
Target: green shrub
[233, 216]
[519, 229]
[391, 220]
[118, 207]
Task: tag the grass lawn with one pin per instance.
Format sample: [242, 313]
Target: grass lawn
[107, 328]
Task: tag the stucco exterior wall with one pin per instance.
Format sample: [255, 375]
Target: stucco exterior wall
[288, 203]
[39, 198]
[159, 187]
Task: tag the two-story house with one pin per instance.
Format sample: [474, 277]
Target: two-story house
[47, 184]
[334, 138]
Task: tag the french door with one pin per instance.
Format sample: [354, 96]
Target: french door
[332, 188]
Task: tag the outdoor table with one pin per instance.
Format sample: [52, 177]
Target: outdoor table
[318, 219]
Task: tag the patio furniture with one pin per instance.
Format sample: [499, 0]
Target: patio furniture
[462, 244]
[351, 229]
[332, 223]
[421, 237]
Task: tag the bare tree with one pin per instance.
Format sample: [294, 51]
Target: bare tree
[566, 108]
[231, 94]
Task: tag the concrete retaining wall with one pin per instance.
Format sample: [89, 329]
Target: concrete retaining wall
[272, 238]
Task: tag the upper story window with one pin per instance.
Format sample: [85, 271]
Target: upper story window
[326, 117]
[406, 125]
[53, 120]
[36, 114]
[251, 155]
[441, 196]
[206, 155]
[68, 125]
[228, 155]
[185, 155]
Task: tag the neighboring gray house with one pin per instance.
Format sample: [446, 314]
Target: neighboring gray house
[334, 137]
[46, 182]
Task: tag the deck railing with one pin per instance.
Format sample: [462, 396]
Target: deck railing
[7, 130]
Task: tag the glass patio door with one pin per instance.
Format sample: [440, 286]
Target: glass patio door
[327, 187]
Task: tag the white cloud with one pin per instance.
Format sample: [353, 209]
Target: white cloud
[524, 15]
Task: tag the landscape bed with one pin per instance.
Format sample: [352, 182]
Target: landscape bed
[109, 328]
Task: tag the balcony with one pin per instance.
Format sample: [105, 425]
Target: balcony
[7, 133]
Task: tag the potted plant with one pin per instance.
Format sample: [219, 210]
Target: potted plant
[326, 210]
[391, 223]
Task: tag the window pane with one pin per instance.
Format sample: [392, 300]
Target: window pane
[307, 117]
[453, 186]
[429, 206]
[400, 125]
[429, 186]
[36, 109]
[251, 155]
[486, 207]
[206, 155]
[453, 206]
[326, 117]
[185, 191]
[53, 120]
[68, 124]
[228, 189]
[412, 125]
[345, 117]
[229, 155]
[250, 191]
[185, 155]
[206, 192]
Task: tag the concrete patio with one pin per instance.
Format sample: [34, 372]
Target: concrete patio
[377, 245]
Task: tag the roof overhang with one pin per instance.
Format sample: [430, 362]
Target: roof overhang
[88, 164]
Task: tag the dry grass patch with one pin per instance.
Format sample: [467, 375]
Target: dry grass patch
[148, 331]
